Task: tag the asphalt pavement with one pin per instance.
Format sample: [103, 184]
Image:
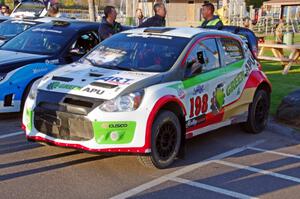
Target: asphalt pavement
[227, 163]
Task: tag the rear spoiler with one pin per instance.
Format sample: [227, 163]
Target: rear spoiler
[246, 33]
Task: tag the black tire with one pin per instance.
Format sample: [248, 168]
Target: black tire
[165, 141]
[258, 113]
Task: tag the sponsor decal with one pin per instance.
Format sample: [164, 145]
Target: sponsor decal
[58, 85]
[54, 61]
[119, 132]
[46, 30]
[195, 121]
[93, 90]
[218, 99]
[113, 125]
[39, 70]
[199, 105]
[235, 83]
[118, 125]
[116, 80]
[181, 93]
[249, 64]
[198, 90]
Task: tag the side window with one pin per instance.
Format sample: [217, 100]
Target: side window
[232, 50]
[84, 43]
[204, 57]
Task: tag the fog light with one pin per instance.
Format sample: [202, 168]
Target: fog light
[114, 136]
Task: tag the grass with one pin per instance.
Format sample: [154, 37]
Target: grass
[282, 85]
[272, 38]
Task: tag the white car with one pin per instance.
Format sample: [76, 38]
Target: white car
[144, 91]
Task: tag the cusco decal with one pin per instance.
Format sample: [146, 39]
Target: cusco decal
[121, 132]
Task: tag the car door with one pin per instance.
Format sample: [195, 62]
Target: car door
[204, 85]
[214, 80]
[235, 76]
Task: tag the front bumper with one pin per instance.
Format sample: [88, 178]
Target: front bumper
[85, 129]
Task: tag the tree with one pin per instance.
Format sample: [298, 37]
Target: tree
[255, 3]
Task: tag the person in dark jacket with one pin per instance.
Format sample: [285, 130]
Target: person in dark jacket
[109, 26]
[210, 19]
[158, 20]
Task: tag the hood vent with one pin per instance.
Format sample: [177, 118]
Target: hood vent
[95, 75]
[63, 79]
[104, 85]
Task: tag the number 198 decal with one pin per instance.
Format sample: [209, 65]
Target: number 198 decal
[198, 105]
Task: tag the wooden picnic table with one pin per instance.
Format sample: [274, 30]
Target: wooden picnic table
[278, 52]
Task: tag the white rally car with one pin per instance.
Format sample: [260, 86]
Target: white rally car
[145, 91]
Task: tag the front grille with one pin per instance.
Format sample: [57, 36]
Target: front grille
[63, 125]
[62, 116]
[67, 103]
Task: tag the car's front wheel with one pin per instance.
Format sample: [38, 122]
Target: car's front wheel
[258, 113]
[165, 141]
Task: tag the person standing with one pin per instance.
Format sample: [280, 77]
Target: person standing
[210, 20]
[139, 17]
[54, 11]
[5, 10]
[109, 26]
[159, 19]
[279, 32]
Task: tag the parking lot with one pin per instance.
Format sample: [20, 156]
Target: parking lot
[223, 164]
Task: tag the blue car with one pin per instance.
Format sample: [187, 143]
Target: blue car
[37, 51]
[12, 27]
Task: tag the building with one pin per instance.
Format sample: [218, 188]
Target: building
[287, 9]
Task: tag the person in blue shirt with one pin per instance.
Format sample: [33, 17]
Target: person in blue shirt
[109, 26]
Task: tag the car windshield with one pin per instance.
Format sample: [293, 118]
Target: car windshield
[12, 28]
[35, 7]
[138, 52]
[38, 41]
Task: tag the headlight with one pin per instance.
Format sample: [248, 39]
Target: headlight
[33, 90]
[125, 103]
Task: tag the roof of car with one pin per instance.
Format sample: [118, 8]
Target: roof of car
[68, 25]
[186, 32]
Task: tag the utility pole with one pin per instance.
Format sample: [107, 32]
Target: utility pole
[92, 10]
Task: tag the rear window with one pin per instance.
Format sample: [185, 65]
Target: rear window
[232, 50]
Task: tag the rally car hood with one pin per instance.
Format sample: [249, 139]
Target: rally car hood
[87, 81]
[10, 60]
[7, 57]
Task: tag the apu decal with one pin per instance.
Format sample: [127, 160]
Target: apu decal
[93, 90]
[115, 80]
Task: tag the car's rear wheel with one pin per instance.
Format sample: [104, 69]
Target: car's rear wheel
[258, 113]
[165, 141]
